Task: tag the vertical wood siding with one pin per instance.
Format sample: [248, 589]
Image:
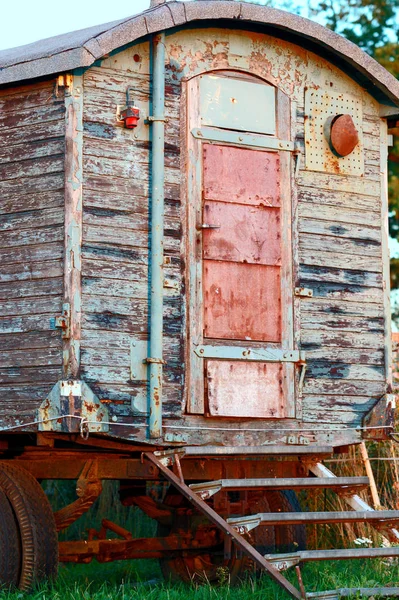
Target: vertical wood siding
[31, 245]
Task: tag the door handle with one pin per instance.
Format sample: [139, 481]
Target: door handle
[208, 226]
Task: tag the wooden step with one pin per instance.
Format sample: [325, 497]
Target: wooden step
[374, 517]
[354, 593]
[285, 561]
[208, 488]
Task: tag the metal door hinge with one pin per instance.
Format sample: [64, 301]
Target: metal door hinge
[303, 292]
[63, 321]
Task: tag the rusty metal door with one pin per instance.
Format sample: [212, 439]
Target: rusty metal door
[241, 355]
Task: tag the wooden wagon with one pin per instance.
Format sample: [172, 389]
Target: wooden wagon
[194, 284]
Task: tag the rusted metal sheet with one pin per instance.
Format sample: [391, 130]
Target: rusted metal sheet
[247, 234]
[242, 301]
[237, 389]
[344, 135]
[241, 175]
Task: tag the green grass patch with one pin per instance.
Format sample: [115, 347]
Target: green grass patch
[142, 580]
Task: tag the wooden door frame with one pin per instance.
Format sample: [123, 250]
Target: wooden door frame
[192, 246]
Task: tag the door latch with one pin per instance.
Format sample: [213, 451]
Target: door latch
[63, 321]
[208, 226]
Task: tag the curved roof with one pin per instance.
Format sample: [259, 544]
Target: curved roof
[82, 48]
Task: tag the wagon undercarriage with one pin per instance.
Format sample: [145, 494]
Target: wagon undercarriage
[229, 511]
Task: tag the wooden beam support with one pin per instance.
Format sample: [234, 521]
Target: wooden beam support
[73, 225]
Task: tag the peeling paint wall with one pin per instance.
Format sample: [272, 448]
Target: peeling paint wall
[32, 129]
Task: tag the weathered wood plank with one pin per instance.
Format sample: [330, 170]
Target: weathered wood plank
[344, 387]
[40, 357]
[364, 356]
[43, 183]
[32, 116]
[31, 375]
[31, 270]
[341, 183]
[326, 274]
[101, 286]
[31, 150]
[119, 168]
[339, 215]
[340, 260]
[322, 322]
[24, 323]
[349, 201]
[31, 219]
[26, 134]
[315, 242]
[17, 397]
[314, 338]
[113, 269]
[26, 237]
[104, 185]
[131, 150]
[38, 201]
[36, 253]
[22, 306]
[127, 315]
[326, 370]
[31, 168]
[101, 234]
[31, 340]
[361, 234]
[28, 98]
[32, 287]
[344, 292]
[347, 418]
[338, 403]
[341, 307]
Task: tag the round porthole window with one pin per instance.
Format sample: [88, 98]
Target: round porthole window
[343, 135]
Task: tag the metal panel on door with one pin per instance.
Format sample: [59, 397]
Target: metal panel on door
[239, 389]
[242, 301]
[224, 103]
[241, 175]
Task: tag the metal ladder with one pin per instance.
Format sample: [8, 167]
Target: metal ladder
[235, 528]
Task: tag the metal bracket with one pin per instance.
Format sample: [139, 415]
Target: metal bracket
[152, 119]
[72, 398]
[63, 321]
[242, 139]
[245, 524]
[251, 354]
[303, 292]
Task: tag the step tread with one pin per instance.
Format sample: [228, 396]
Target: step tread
[284, 483]
[318, 517]
[336, 554]
[349, 592]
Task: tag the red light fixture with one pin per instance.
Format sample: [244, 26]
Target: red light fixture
[130, 113]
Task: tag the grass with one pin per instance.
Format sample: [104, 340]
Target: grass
[142, 580]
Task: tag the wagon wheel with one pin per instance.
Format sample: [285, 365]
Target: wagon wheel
[35, 520]
[10, 553]
[211, 566]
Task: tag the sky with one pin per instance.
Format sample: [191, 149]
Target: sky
[31, 20]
